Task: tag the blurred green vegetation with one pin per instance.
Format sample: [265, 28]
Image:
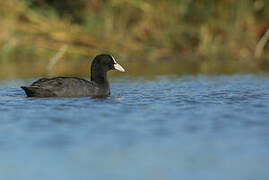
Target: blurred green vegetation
[207, 31]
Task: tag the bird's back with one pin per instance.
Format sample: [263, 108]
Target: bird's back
[64, 87]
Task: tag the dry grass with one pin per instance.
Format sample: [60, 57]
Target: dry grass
[149, 30]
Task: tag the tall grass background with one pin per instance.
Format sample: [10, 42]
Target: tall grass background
[206, 31]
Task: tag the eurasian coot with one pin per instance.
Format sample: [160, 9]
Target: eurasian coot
[73, 86]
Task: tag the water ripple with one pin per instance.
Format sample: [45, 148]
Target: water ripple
[189, 127]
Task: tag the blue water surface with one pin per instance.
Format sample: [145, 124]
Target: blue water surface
[171, 127]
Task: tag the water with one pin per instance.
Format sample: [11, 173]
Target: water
[189, 127]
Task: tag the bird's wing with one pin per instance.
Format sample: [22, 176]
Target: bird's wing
[66, 86]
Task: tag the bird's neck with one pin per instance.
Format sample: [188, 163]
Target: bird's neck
[99, 76]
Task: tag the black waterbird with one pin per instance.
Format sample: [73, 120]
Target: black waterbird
[73, 86]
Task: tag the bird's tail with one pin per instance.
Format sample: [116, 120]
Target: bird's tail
[29, 91]
[32, 91]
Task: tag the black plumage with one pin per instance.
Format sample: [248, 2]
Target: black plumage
[73, 86]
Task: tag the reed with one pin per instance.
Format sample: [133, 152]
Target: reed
[151, 30]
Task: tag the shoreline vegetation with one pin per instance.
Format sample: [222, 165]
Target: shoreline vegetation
[147, 70]
[204, 36]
